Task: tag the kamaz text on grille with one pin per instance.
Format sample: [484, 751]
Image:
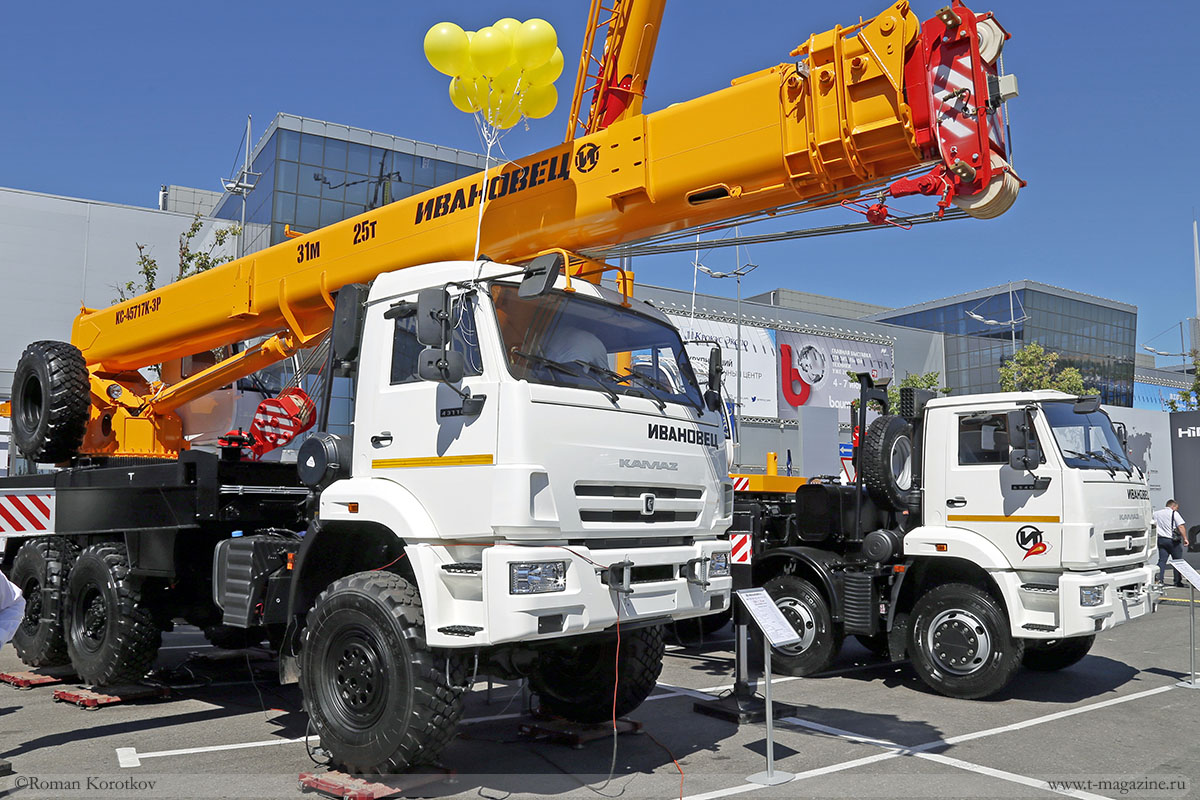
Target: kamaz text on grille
[670, 433]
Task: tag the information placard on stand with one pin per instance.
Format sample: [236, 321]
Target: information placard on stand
[777, 632]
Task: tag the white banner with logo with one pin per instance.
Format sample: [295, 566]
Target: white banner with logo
[813, 371]
[759, 368]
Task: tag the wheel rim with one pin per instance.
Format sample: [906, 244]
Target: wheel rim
[33, 607]
[901, 460]
[357, 683]
[90, 620]
[31, 402]
[802, 619]
[958, 642]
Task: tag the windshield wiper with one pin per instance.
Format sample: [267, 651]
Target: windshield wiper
[1096, 454]
[619, 378]
[1119, 461]
[566, 370]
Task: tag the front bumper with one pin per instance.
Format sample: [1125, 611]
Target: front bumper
[1128, 595]
[474, 608]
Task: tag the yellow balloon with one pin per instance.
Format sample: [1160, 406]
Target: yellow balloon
[539, 101]
[508, 25]
[462, 99]
[547, 73]
[506, 82]
[510, 113]
[534, 44]
[446, 47]
[491, 51]
[475, 90]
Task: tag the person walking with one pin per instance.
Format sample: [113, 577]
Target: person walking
[12, 611]
[1172, 538]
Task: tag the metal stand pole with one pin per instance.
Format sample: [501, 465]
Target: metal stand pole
[770, 777]
[1191, 684]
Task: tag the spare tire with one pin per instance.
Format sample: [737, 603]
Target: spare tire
[887, 463]
[50, 402]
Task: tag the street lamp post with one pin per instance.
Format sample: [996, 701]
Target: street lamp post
[1013, 320]
[738, 274]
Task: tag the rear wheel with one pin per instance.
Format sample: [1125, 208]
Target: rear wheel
[1055, 654]
[111, 634]
[960, 642]
[40, 571]
[379, 698]
[808, 612]
[576, 681]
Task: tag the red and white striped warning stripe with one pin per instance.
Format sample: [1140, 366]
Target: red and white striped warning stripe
[26, 513]
[740, 548]
[741, 484]
[955, 129]
[275, 422]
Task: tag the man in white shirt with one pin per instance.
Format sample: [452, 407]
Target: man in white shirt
[12, 611]
[1172, 538]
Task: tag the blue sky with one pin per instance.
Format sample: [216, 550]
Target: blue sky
[107, 101]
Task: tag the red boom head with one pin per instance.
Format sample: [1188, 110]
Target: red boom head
[957, 94]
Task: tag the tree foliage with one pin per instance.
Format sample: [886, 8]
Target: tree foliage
[191, 262]
[1034, 368]
[1189, 399]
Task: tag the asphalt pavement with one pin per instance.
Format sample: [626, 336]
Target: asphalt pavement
[1115, 725]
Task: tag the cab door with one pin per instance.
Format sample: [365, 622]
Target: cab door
[1018, 511]
[416, 433]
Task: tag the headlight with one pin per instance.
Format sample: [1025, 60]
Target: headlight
[1091, 595]
[537, 577]
[718, 567]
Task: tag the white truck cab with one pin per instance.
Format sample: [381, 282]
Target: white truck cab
[546, 493]
[1066, 533]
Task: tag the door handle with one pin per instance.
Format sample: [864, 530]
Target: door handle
[956, 502]
[382, 438]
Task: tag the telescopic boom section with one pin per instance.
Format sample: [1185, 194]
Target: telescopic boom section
[859, 107]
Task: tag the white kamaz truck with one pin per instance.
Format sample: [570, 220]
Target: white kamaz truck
[985, 532]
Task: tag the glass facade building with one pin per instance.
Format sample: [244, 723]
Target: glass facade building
[1092, 334]
[314, 173]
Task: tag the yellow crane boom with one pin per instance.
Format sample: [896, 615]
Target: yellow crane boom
[857, 106]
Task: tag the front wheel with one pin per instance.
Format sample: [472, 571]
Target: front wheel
[960, 642]
[808, 612]
[379, 698]
[1056, 654]
[575, 681]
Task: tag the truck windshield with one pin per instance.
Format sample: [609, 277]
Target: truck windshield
[570, 340]
[1087, 441]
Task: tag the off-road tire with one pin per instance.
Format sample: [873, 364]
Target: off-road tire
[575, 681]
[1055, 654]
[227, 637]
[50, 402]
[111, 634]
[975, 655]
[803, 605]
[377, 695]
[888, 446]
[42, 564]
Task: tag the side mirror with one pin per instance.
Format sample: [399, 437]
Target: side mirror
[540, 275]
[1025, 455]
[348, 314]
[1123, 436]
[433, 317]
[715, 368]
[712, 400]
[436, 364]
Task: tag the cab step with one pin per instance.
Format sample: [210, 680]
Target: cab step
[463, 567]
[460, 630]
